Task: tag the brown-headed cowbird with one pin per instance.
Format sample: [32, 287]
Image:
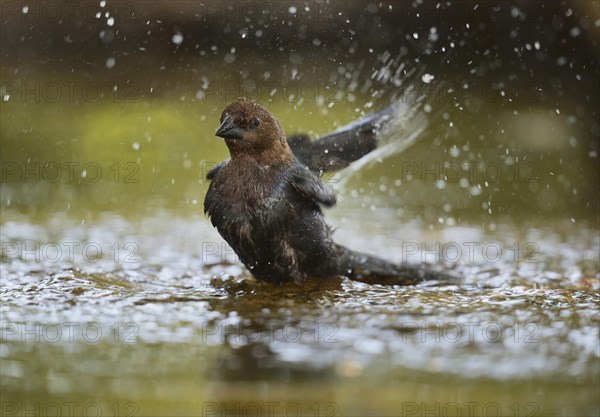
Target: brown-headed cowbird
[266, 200]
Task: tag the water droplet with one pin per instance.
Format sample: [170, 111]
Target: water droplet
[574, 32]
[427, 78]
[177, 38]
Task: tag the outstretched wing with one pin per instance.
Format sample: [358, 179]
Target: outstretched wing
[338, 149]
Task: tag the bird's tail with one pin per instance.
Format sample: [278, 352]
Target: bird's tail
[373, 270]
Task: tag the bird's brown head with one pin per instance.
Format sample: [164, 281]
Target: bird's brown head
[250, 129]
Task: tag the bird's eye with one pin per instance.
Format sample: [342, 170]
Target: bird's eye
[255, 122]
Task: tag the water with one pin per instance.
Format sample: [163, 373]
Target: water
[173, 324]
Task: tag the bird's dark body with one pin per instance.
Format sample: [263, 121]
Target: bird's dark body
[266, 201]
[277, 232]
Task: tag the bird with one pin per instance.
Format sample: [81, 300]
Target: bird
[267, 199]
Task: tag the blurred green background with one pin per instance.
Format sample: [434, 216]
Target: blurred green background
[144, 84]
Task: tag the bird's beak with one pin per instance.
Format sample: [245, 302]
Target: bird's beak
[229, 130]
